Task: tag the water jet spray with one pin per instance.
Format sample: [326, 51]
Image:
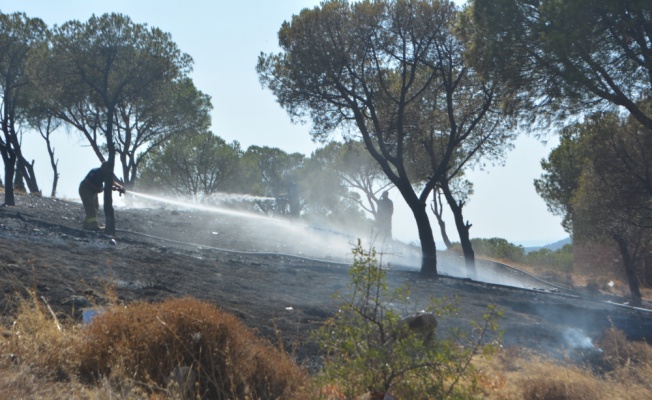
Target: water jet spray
[203, 207]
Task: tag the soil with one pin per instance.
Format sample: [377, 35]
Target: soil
[280, 283]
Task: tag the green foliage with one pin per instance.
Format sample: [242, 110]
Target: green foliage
[501, 249]
[272, 169]
[274, 173]
[369, 349]
[560, 259]
[562, 57]
[143, 125]
[194, 165]
[495, 248]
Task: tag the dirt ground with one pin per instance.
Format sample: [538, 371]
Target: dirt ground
[279, 280]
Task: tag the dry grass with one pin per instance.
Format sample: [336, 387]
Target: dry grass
[38, 357]
[180, 348]
[38, 336]
[620, 370]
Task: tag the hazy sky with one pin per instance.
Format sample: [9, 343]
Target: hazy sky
[225, 38]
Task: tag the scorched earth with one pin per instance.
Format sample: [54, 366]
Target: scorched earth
[279, 278]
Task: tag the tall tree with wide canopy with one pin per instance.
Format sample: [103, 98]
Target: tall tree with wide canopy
[567, 56]
[20, 38]
[106, 61]
[325, 188]
[356, 170]
[393, 72]
[190, 165]
[615, 192]
[600, 179]
[272, 172]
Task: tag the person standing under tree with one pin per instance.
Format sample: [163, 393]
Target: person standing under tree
[89, 188]
[384, 216]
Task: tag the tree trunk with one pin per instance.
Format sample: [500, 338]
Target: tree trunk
[438, 210]
[10, 166]
[55, 177]
[630, 270]
[46, 132]
[462, 228]
[30, 178]
[9, 159]
[27, 171]
[55, 182]
[19, 182]
[124, 164]
[428, 248]
[442, 230]
[109, 213]
[24, 170]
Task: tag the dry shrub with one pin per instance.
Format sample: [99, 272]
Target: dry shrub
[625, 361]
[511, 357]
[524, 375]
[646, 293]
[210, 349]
[619, 352]
[521, 374]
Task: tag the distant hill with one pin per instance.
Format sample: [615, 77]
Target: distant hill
[552, 246]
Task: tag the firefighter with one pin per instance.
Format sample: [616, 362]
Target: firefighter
[384, 216]
[89, 188]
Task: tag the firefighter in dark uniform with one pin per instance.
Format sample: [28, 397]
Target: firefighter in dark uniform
[384, 216]
[89, 188]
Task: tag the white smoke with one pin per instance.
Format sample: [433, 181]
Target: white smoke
[576, 339]
[279, 235]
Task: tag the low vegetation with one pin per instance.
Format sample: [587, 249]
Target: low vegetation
[615, 369]
[370, 349]
[560, 260]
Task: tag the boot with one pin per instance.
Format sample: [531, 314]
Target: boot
[95, 228]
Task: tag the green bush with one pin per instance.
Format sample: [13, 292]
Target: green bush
[370, 350]
[498, 248]
[561, 259]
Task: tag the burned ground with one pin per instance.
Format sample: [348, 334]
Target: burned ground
[160, 253]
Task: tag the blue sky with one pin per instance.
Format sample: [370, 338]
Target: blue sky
[225, 38]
